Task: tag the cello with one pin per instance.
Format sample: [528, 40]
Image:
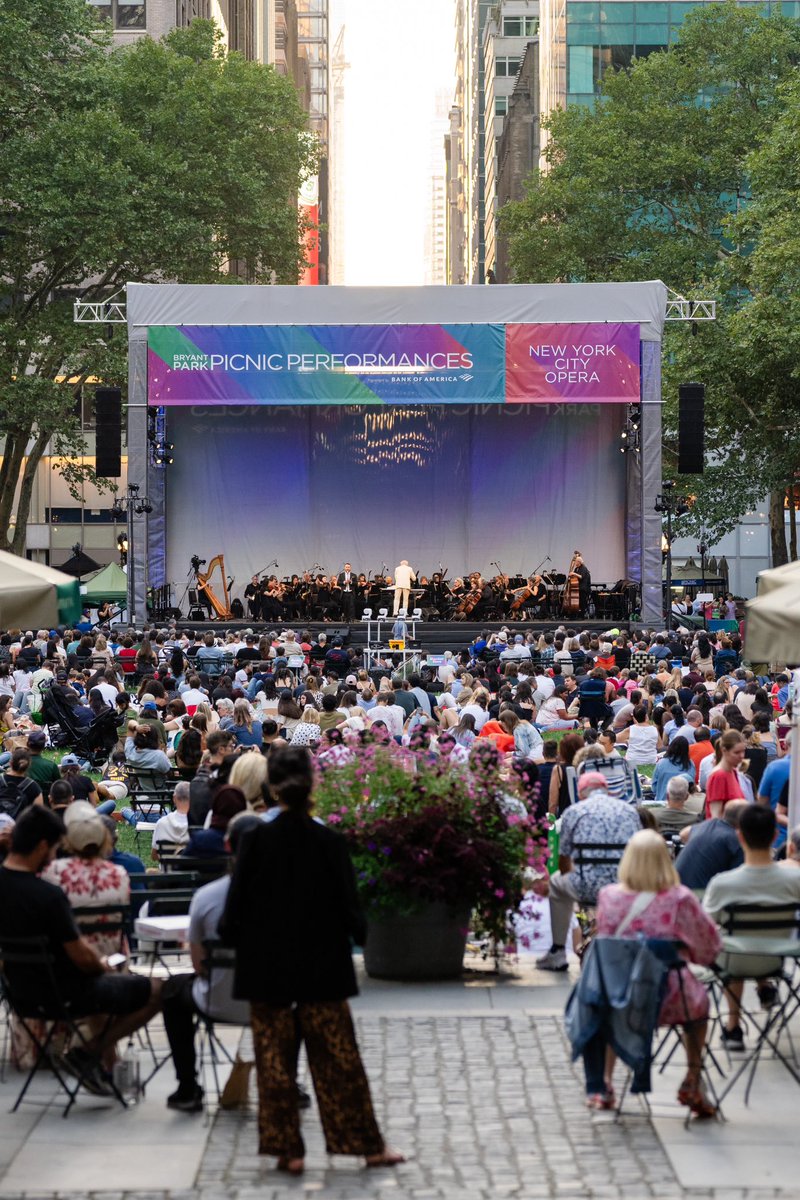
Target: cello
[571, 598]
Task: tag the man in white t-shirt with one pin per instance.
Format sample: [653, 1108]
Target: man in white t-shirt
[391, 714]
[446, 672]
[543, 689]
[517, 650]
[193, 694]
[759, 881]
[174, 826]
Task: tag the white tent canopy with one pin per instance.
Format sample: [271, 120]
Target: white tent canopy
[769, 581]
[34, 596]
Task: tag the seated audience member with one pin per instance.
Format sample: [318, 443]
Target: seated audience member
[173, 827]
[672, 912]
[674, 762]
[218, 747]
[17, 791]
[674, 817]
[210, 843]
[41, 770]
[83, 786]
[190, 994]
[726, 781]
[246, 731]
[596, 818]
[701, 748]
[33, 907]
[713, 846]
[773, 791]
[759, 881]
[86, 876]
[132, 864]
[641, 738]
[792, 858]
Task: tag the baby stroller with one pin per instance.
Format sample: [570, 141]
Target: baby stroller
[92, 742]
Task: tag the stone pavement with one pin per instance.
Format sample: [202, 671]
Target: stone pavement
[471, 1080]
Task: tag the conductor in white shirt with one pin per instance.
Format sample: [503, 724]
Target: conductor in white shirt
[404, 577]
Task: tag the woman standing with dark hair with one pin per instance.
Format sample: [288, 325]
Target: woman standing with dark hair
[292, 910]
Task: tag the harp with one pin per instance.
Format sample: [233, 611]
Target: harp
[222, 608]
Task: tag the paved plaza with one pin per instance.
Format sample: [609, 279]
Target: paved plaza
[471, 1080]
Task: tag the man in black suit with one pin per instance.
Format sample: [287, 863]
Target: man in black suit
[347, 582]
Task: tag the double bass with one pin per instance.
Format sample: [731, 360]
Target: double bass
[571, 598]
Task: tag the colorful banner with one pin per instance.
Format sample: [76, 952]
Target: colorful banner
[392, 364]
[587, 364]
[326, 364]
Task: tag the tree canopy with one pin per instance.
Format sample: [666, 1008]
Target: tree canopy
[168, 160]
[686, 170]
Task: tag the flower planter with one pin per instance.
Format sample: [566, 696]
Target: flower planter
[428, 944]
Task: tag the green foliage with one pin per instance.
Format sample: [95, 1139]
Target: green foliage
[423, 830]
[168, 160]
[686, 170]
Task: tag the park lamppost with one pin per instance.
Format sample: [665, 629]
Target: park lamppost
[124, 508]
[669, 504]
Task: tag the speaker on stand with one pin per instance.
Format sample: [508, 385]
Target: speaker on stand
[691, 428]
[108, 443]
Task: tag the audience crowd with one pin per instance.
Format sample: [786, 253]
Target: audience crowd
[665, 751]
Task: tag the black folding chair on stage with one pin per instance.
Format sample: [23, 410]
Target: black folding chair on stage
[32, 955]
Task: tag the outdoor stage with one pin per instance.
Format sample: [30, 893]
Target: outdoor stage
[460, 426]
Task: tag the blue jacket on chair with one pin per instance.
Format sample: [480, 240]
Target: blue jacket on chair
[619, 996]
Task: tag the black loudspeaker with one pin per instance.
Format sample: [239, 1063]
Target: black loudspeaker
[108, 417]
[193, 601]
[691, 428]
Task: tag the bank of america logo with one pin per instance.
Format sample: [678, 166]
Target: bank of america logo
[466, 378]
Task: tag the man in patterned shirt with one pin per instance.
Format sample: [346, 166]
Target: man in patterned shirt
[641, 659]
[598, 819]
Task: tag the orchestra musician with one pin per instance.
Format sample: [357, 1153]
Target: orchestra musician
[580, 569]
[537, 600]
[252, 596]
[347, 587]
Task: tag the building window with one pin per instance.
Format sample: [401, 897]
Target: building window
[123, 14]
[520, 26]
[506, 66]
[500, 106]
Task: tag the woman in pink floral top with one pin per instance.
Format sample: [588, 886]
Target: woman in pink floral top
[673, 913]
[86, 877]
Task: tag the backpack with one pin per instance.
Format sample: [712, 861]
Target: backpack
[13, 800]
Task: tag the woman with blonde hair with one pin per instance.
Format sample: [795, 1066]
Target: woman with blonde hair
[650, 901]
[249, 774]
[308, 732]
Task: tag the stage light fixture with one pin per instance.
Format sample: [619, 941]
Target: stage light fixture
[416, 614]
[367, 614]
[383, 614]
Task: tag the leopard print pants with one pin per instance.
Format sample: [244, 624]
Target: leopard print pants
[340, 1082]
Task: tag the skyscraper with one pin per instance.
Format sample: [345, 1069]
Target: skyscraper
[471, 16]
[339, 66]
[436, 227]
[509, 28]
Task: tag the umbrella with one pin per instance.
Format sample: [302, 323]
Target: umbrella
[34, 596]
[768, 581]
[79, 565]
[109, 583]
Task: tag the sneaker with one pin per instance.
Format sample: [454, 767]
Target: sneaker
[188, 1100]
[554, 960]
[733, 1040]
[84, 1066]
[767, 995]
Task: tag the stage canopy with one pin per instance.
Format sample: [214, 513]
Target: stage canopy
[454, 425]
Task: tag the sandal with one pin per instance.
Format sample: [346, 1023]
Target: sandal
[601, 1101]
[292, 1166]
[691, 1094]
[386, 1158]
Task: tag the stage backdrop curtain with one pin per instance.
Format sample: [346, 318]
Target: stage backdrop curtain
[458, 485]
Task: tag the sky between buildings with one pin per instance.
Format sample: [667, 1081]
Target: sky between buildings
[400, 54]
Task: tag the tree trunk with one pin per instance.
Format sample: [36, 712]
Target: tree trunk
[777, 527]
[12, 464]
[792, 524]
[26, 491]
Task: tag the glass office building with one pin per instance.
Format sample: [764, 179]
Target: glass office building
[581, 39]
